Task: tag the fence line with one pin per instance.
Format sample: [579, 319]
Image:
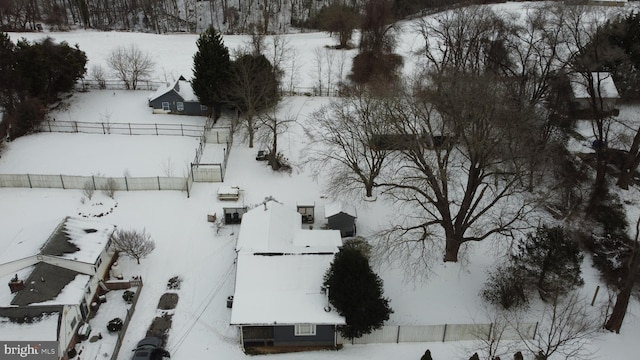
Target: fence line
[116, 84]
[121, 128]
[127, 319]
[95, 183]
[446, 332]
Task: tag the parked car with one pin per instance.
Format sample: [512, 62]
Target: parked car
[262, 155]
[150, 348]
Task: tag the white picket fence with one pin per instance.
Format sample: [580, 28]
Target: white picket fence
[442, 333]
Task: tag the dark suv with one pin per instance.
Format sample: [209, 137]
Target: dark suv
[150, 348]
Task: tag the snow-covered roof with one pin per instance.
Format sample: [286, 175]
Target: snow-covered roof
[181, 86]
[281, 268]
[282, 290]
[77, 239]
[43, 329]
[338, 207]
[90, 237]
[274, 228]
[602, 83]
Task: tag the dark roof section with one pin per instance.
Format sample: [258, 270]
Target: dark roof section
[36, 290]
[59, 243]
[29, 314]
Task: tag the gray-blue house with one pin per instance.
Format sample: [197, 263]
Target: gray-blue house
[177, 98]
[278, 299]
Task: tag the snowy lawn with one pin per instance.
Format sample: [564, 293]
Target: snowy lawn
[188, 246]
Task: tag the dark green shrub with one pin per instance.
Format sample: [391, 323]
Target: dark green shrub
[505, 287]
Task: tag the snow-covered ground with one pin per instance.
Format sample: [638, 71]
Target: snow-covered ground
[188, 246]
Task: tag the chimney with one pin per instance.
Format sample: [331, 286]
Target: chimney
[16, 285]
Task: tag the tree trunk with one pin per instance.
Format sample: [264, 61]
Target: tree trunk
[452, 247]
[630, 163]
[600, 185]
[368, 186]
[250, 129]
[614, 323]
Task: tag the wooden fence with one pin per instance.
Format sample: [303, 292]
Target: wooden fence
[127, 319]
[442, 333]
[121, 128]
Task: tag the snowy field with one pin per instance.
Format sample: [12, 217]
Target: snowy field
[188, 246]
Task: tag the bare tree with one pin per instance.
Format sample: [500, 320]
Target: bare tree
[564, 330]
[341, 137]
[133, 243]
[614, 323]
[130, 64]
[97, 72]
[272, 126]
[461, 176]
[253, 88]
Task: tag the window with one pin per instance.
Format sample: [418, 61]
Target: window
[165, 106]
[180, 106]
[203, 107]
[305, 329]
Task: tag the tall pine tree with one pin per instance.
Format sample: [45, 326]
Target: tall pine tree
[211, 69]
[356, 292]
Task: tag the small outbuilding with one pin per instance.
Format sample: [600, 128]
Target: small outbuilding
[603, 87]
[307, 210]
[177, 98]
[341, 217]
[233, 215]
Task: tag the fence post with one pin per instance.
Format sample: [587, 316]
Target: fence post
[535, 330]
[398, 335]
[156, 128]
[181, 129]
[595, 295]
[93, 178]
[103, 130]
[444, 333]
[49, 123]
[159, 183]
[62, 182]
[130, 129]
[126, 183]
[29, 178]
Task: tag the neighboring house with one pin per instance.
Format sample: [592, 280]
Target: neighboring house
[606, 93]
[341, 217]
[278, 299]
[53, 289]
[177, 98]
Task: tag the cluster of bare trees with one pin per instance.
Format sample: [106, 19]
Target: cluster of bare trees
[157, 15]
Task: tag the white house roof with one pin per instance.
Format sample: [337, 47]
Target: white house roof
[280, 269]
[91, 237]
[44, 329]
[180, 86]
[25, 241]
[274, 228]
[602, 82]
[282, 289]
[338, 207]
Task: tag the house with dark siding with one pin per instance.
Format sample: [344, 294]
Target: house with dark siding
[279, 301]
[177, 98]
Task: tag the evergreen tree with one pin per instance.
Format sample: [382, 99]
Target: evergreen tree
[356, 292]
[49, 69]
[550, 261]
[211, 69]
